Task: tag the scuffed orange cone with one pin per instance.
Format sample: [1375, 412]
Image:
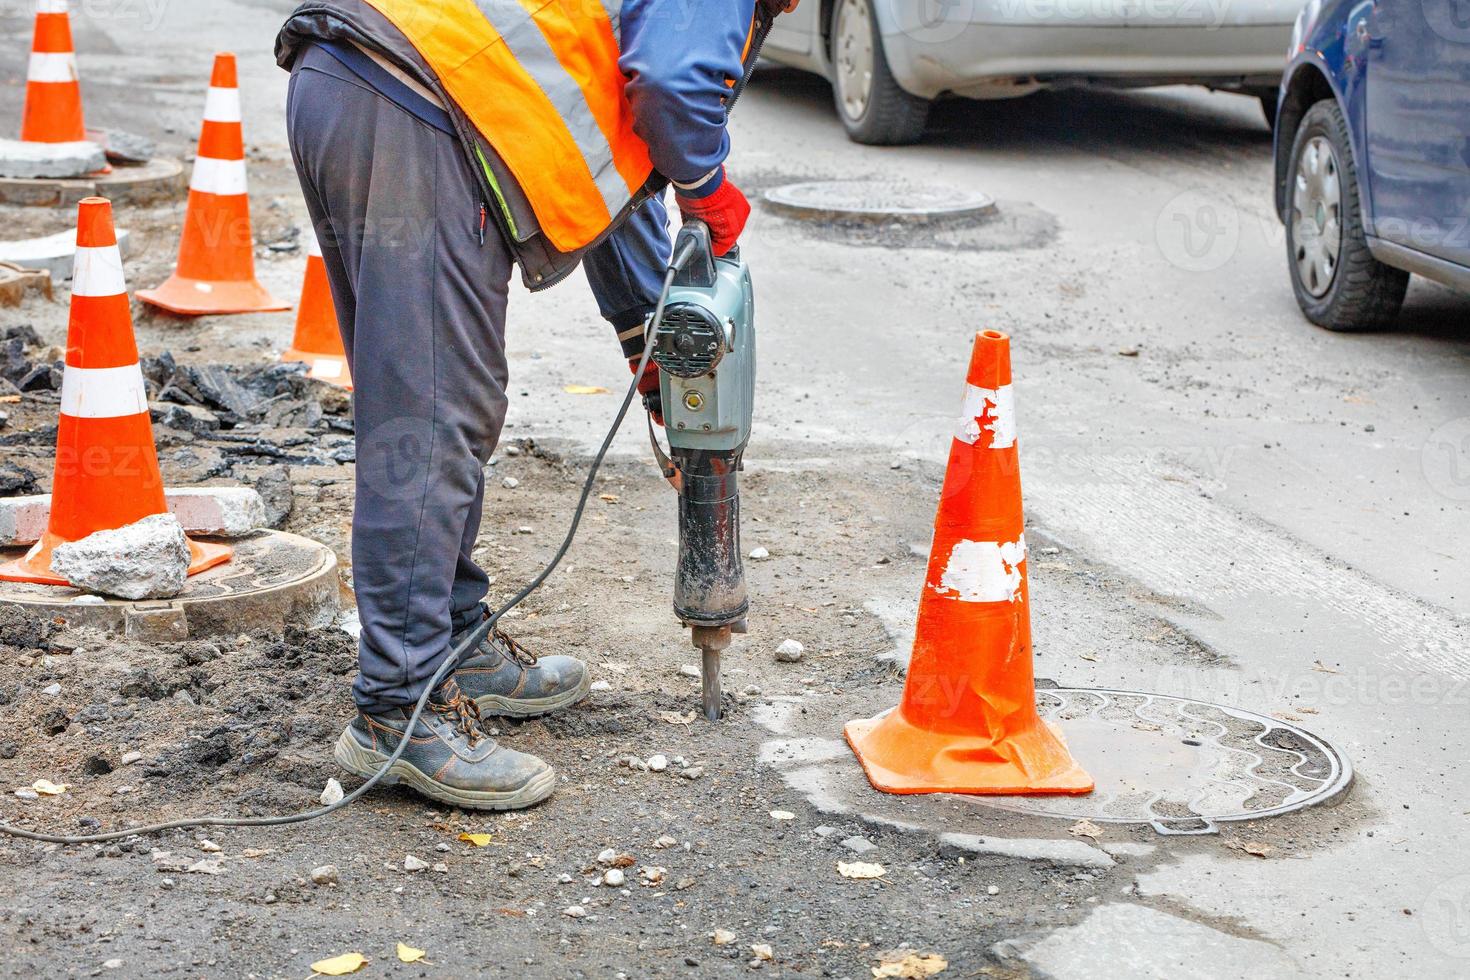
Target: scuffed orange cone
[216, 267]
[967, 722]
[53, 110]
[318, 341]
[106, 473]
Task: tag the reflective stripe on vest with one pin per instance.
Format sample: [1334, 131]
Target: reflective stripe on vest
[540, 82]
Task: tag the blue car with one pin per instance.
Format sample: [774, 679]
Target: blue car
[1372, 154]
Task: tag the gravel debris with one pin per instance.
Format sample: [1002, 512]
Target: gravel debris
[331, 793]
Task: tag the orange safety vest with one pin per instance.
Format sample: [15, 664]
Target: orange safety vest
[540, 82]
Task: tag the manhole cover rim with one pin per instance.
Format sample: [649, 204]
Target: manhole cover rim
[1334, 785]
[320, 556]
[789, 198]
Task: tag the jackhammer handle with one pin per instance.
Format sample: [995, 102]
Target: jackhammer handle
[694, 255]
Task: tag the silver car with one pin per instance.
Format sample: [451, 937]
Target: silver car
[888, 60]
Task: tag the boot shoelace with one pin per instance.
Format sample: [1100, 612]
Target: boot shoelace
[462, 711]
[513, 650]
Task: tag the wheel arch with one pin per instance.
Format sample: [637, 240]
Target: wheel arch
[825, 13]
[888, 25]
[1308, 84]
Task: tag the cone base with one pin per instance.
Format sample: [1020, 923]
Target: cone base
[331, 368]
[901, 758]
[198, 297]
[35, 566]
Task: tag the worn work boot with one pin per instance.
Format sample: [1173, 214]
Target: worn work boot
[449, 757]
[505, 678]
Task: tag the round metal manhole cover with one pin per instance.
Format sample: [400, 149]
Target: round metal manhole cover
[273, 577]
[1181, 765]
[878, 200]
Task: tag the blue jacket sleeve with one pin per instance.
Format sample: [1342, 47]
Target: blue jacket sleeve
[678, 58]
[626, 271]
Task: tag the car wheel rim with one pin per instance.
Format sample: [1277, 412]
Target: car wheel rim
[1316, 209]
[852, 48]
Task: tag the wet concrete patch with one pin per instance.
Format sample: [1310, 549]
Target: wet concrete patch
[1134, 941]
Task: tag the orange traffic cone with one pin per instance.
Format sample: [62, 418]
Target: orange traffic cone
[967, 722]
[216, 268]
[106, 471]
[318, 341]
[53, 112]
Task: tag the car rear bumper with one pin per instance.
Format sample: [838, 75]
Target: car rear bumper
[994, 60]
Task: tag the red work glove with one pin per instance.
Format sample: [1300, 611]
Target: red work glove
[724, 210]
[649, 389]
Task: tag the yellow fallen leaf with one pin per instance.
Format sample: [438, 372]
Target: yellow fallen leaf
[910, 966]
[1254, 848]
[340, 966]
[408, 954]
[1085, 828]
[611, 498]
[478, 840]
[860, 870]
[585, 390]
[9, 399]
[675, 718]
[47, 788]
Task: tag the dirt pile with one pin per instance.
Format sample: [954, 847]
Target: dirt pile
[135, 728]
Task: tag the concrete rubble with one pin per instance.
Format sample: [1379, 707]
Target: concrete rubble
[60, 161]
[148, 559]
[226, 512]
[53, 253]
[18, 283]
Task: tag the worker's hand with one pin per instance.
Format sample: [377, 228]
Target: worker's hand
[724, 210]
[649, 389]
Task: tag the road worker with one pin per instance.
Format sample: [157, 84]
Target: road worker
[439, 143]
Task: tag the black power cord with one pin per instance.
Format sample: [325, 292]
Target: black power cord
[470, 642]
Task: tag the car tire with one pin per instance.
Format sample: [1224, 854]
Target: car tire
[1348, 290]
[873, 108]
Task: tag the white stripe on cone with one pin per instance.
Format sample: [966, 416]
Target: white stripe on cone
[98, 272]
[990, 409]
[984, 571]
[313, 246]
[103, 393]
[222, 105]
[51, 6]
[327, 367]
[54, 66]
[223, 177]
